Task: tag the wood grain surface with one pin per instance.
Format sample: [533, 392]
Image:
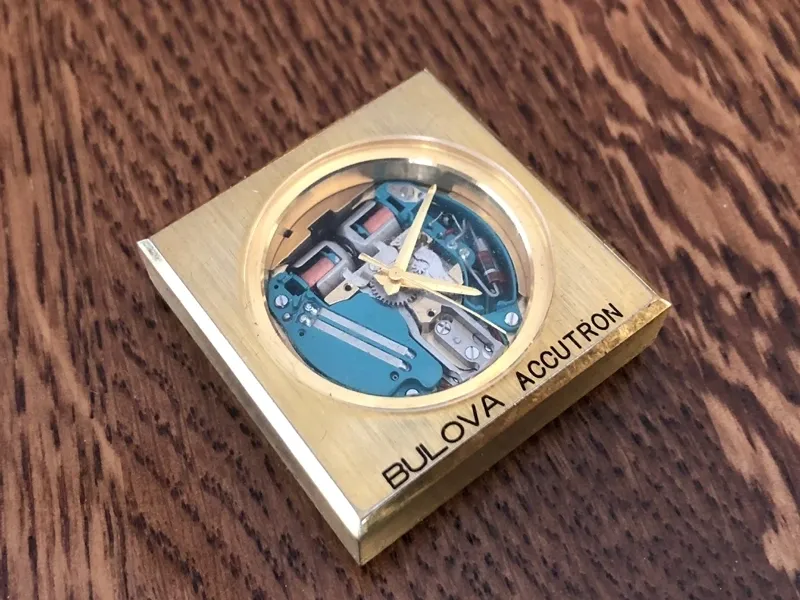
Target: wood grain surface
[672, 126]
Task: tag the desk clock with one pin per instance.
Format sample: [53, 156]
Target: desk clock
[398, 302]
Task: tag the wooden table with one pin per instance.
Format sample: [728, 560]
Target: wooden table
[672, 126]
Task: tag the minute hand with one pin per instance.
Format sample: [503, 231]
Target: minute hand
[414, 280]
[459, 306]
[412, 234]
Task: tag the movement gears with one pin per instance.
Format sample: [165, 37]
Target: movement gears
[401, 298]
[404, 296]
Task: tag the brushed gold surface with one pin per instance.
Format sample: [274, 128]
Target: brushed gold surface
[337, 449]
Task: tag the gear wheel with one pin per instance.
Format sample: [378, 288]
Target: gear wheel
[404, 296]
[401, 298]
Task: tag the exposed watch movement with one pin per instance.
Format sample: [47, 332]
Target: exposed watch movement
[400, 271]
[403, 291]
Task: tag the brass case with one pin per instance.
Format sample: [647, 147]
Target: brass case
[376, 472]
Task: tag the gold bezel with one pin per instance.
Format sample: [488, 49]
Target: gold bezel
[510, 210]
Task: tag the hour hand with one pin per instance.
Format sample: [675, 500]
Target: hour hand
[414, 280]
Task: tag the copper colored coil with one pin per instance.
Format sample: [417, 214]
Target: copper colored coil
[378, 219]
[317, 271]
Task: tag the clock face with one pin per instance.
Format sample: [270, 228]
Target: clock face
[402, 290]
[398, 273]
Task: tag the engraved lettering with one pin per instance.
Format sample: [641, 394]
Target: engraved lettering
[424, 462]
[567, 353]
[547, 364]
[524, 380]
[614, 312]
[532, 364]
[488, 404]
[600, 321]
[449, 425]
[393, 472]
[586, 329]
[434, 456]
[572, 339]
[399, 473]
[475, 422]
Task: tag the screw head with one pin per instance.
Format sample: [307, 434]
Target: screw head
[511, 319]
[412, 392]
[472, 352]
[443, 327]
[281, 301]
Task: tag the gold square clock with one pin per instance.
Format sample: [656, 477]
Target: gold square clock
[398, 302]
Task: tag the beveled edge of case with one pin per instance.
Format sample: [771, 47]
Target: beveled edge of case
[329, 499]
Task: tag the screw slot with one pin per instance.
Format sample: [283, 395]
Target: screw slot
[443, 327]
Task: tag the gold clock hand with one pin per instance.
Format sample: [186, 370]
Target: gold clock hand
[412, 235]
[414, 280]
[374, 262]
[383, 279]
[410, 243]
[458, 305]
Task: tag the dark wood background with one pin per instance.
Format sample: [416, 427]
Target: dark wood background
[672, 126]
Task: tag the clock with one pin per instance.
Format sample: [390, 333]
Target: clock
[397, 303]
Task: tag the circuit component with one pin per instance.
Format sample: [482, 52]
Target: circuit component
[360, 343]
[463, 345]
[323, 266]
[369, 224]
[488, 265]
